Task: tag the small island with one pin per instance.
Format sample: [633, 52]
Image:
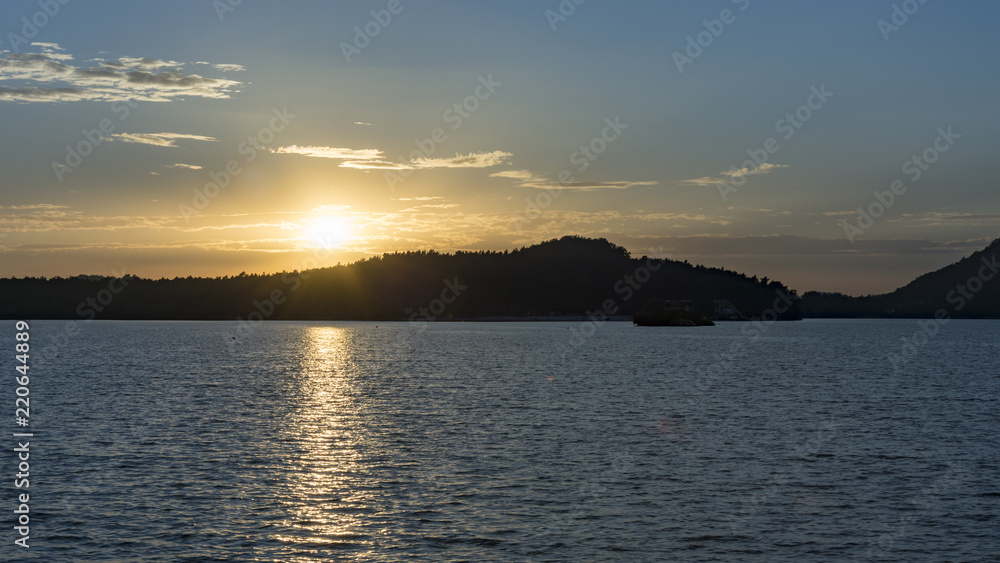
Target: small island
[670, 313]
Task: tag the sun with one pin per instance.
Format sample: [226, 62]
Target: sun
[328, 232]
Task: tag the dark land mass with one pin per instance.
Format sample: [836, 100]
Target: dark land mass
[560, 278]
[967, 289]
[571, 276]
[670, 313]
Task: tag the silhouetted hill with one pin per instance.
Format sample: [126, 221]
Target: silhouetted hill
[568, 276]
[969, 288]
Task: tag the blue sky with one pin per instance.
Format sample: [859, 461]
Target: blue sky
[334, 175]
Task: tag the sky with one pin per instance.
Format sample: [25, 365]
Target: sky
[835, 146]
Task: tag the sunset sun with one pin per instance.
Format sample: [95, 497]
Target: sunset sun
[327, 231]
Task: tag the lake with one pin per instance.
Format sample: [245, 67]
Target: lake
[310, 441]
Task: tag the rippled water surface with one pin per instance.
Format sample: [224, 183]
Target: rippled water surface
[173, 441]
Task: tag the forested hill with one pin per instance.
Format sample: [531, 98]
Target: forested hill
[567, 276]
[969, 288]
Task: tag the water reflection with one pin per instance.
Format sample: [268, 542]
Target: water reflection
[322, 449]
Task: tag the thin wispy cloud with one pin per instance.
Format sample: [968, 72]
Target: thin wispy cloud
[362, 159]
[703, 181]
[374, 159]
[229, 67]
[158, 139]
[375, 165]
[471, 160]
[33, 207]
[734, 173]
[142, 63]
[185, 166]
[528, 180]
[617, 185]
[421, 208]
[522, 175]
[53, 51]
[945, 219]
[225, 67]
[52, 75]
[765, 168]
[331, 152]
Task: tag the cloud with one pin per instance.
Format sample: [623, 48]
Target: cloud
[418, 208]
[158, 139]
[187, 166]
[620, 185]
[765, 168]
[34, 94]
[362, 159]
[471, 160]
[225, 67]
[943, 219]
[375, 165]
[142, 63]
[331, 152]
[523, 175]
[703, 181]
[34, 207]
[529, 180]
[52, 76]
[374, 159]
[53, 51]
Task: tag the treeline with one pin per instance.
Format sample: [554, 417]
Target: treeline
[567, 276]
[969, 289]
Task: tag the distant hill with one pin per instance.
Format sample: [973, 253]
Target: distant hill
[571, 276]
[969, 288]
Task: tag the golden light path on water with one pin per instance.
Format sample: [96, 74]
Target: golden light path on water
[323, 436]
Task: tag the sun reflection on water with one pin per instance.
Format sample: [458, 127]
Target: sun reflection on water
[324, 500]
